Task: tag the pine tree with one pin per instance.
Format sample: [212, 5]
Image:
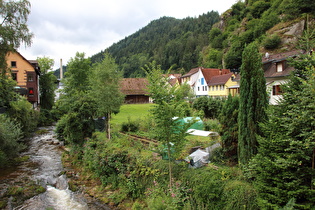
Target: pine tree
[284, 166]
[253, 103]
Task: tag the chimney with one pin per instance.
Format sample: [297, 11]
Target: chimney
[61, 70]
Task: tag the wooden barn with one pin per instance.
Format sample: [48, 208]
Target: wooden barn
[135, 90]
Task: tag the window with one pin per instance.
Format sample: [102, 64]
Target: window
[198, 88]
[279, 67]
[276, 90]
[30, 91]
[14, 76]
[216, 87]
[206, 88]
[30, 77]
[13, 64]
[202, 81]
[212, 88]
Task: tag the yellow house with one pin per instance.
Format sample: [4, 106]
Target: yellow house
[219, 86]
[26, 73]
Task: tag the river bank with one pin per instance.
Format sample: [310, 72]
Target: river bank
[39, 181]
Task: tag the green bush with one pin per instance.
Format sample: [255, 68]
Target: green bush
[45, 117]
[24, 114]
[130, 126]
[272, 42]
[210, 106]
[240, 195]
[10, 134]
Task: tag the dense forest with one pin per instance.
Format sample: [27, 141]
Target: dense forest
[211, 40]
[168, 41]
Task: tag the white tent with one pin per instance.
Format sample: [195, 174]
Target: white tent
[201, 133]
[198, 158]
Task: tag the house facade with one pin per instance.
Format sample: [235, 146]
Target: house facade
[198, 79]
[276, 72]
[219, 86]
[26, 73]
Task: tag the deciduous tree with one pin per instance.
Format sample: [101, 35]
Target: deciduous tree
[13, 28]
[47, 83]
[105, 89]
[170, 106]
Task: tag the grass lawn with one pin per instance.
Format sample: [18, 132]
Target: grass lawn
[132, 112]
[140, 111]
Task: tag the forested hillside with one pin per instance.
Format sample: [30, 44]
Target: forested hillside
[168, 41]
[216, 41]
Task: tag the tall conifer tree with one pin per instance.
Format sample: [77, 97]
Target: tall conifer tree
[253, 103]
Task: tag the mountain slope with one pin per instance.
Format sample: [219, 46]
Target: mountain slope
[217, 42]
[168, 41]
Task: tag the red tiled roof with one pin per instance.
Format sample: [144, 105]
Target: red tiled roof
[220, 79]
[209, 73]
[134, 86]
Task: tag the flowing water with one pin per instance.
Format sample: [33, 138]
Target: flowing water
[45, 168]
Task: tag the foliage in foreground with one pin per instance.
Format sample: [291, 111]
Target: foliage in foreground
[284, 166]
[131, 171]
[10, 134]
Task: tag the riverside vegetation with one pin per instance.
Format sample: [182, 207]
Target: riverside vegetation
[278, 174]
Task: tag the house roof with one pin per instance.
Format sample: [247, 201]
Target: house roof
[220, 79]
[174, 78]
[210, 73]
[34, 63]
[270, 64]
[280, 56]
[191, 72]
[134, 86]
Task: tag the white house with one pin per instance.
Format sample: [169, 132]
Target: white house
[198, 79]
[276, 72]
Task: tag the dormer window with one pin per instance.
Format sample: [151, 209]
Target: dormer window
[279, 67]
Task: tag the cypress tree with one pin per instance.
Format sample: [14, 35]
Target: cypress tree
[229, 128]
[253, 103]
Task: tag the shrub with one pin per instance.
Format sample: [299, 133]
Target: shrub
[23, 113]
[240, 195]
[210, 106]
[45, 117]
[130, 126]
[10, 134]
[272, 42]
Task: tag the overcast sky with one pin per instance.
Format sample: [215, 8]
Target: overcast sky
[63, 27]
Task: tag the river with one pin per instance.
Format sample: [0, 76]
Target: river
[44, 166]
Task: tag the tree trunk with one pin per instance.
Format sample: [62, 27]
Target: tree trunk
[169, 163]
[107, 126]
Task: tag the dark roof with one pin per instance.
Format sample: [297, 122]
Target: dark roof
[270, 63]
[134, 86]
[280, 56]
[191, 72]
[220, 79]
